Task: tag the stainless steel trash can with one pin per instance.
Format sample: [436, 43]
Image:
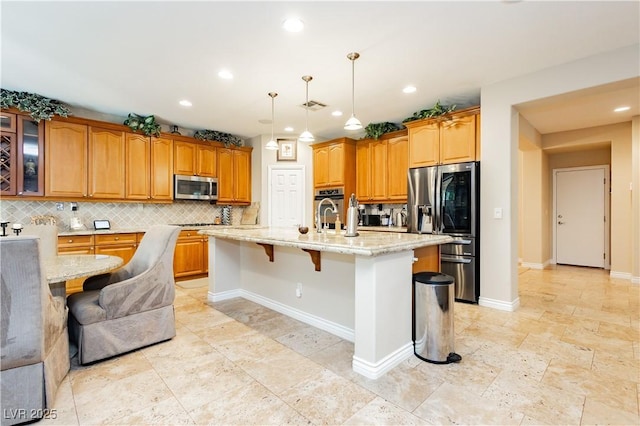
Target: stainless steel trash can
[433, 333]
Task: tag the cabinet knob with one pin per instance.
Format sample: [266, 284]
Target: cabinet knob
[70, 241]
[84, 195]
[90, 195]
[20, 193]
[117, 238]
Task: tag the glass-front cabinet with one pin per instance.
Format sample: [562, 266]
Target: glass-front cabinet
[21, 155]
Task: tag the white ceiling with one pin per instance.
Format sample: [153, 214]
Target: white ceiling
[143, 57]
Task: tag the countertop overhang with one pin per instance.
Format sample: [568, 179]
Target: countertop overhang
[366, 244]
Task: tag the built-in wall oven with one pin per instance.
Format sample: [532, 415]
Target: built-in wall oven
[337, 196]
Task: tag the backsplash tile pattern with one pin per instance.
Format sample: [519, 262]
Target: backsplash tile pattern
[121, 215]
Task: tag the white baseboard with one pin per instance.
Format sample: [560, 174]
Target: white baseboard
[223, 295]
[499, 304]
[535, 265]
[620, 275]
[635, 280]
[321, 323]
[377, 370]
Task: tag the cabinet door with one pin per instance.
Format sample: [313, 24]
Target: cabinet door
[424, 143]
[225, 175]
[321, 167]
[398, 163]
[206, 161]
[8, 163]
[242, 176]
[379, 170]
[138, 161]
[189, 256]
[428, 259]
[161, 169]
[458, 140]
[336, 165]
[30, 157]
[125, 251]
[106, 163]
[184, 158]
[363, 171]
[65, 159]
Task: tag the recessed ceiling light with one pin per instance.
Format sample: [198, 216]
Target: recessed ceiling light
[288, 129]
[185, 103]
[409, 89]
[622, 109]
[293, 25]
[336, 113]
[225, 74]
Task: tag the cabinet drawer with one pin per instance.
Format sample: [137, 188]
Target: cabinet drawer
[106, 239]
[75, 241]
[190, 234]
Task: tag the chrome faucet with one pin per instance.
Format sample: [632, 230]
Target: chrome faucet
[318, 222]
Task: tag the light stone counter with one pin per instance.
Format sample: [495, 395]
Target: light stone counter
[368, 243]
[358, 288]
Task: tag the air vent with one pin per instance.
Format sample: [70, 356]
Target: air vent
[313, 105]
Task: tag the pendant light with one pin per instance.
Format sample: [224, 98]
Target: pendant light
[306, 136]
[272, 144]
[353, 123]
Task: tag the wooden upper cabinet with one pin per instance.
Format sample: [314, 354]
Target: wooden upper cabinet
[379, 170]
[333, 164]
[8, 168]
[206, 164]
[138, 166]
[424, 147]
[458, 140]
[184, 158]
[161, 169]
[106, 163]
[444, 140]
[397, 166]
[66, 159]
[234, 175]
[363, 170]
[194, 159]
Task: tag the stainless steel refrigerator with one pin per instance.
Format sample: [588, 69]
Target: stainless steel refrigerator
[445, 199]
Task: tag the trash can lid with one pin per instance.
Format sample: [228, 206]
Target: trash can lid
[433, 278]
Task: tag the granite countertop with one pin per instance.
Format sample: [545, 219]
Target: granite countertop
[134, 230]
[369, 243]
[383, 228]
[70, 266]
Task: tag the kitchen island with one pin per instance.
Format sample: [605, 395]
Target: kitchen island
[358, 288]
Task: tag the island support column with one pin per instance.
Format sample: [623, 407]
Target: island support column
[382, 312]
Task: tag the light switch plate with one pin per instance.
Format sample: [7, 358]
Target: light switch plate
[497, 213]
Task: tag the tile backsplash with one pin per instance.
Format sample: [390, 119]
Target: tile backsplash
[120, 215]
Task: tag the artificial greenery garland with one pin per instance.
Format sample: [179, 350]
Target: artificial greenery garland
[435, 111]
[375, 130]
[37, 106]
[146, 125]
[214, 135]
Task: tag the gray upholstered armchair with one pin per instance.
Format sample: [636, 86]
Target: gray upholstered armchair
[131, 307]
[34, 357]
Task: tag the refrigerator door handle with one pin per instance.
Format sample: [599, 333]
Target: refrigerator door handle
[454, 259]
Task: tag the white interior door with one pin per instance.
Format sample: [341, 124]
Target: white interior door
[286, 197]
[580, 226]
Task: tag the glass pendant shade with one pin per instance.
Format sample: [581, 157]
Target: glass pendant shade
[353, 123]
[272, 144]
[306, 136]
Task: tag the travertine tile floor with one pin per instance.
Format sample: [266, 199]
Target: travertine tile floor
[569, 355]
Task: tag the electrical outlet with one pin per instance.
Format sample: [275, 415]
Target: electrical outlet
[72, 205]
[299, 290]
[60, 207]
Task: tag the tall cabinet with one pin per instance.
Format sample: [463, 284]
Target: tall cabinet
[21, 155]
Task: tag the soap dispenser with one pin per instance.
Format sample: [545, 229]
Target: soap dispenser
[338, 223]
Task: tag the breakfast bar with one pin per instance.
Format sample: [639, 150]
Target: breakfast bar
[358, 288]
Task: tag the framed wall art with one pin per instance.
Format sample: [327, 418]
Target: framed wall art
[287, 150]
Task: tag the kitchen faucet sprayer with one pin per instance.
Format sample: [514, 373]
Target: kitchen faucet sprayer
[335, 210]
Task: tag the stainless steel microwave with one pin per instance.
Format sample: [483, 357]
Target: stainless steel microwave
[195, 188]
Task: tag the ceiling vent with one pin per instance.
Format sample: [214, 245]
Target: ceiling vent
[313, 105]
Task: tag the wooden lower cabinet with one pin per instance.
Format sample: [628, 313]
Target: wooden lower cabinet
[121, 245]
[77, 244]
[427, 259]
[191, 255]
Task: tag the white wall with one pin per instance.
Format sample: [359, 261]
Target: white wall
[499, 174]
